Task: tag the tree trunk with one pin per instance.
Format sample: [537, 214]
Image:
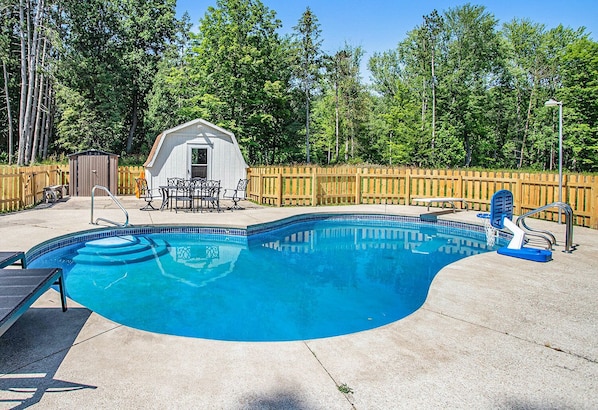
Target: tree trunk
[22, 100]
[48, 123]
[37, 112]
[336, 121]
[433, 103]
[525, 130]
[133, 126]
[8, 114]
[29, 70]
[423, 119]
[307, 126]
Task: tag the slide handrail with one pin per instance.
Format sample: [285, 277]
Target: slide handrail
[562, 206]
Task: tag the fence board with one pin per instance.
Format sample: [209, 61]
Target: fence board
[314, 186]
[22, 187]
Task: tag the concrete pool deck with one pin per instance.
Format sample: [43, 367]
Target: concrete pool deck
[495, 332]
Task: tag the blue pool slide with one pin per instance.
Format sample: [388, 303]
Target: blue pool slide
[501, 214]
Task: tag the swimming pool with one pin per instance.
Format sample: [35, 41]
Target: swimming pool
[305, 277]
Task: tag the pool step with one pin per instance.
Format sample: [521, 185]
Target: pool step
[120, 251]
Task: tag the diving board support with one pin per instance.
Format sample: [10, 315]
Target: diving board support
[443, 201]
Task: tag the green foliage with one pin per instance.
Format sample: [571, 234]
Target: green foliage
[580, 101]
[343, 388]
[84, 125]
[110, 52]
[457, 91]
[307, 55]
[235, 74]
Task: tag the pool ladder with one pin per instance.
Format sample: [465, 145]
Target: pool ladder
[548, 236]
[116, 201]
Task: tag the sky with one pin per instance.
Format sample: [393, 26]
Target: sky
[379, 25]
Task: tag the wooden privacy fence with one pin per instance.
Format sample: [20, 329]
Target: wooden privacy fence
[315, 186]
[21, 187]
[126, 179]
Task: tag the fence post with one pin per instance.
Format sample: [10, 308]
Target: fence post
[459, 191]
[358, 195]
[518, 194]
[594, 203]
[279, 187]
[260, 188]
[565, 189]
[407, 192]
[314, 186]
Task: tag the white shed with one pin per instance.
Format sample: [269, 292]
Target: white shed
[195, 149]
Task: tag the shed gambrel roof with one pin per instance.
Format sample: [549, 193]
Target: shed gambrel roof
[197, 122]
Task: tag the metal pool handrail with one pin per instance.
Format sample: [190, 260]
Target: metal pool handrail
[562, 206]
[116, 201]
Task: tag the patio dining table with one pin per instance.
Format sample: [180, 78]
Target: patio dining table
[195, 195]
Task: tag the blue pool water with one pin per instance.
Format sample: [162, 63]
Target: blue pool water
[304, 280]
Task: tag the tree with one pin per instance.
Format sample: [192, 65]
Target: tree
[110, 54]
[471, 59]
[32, 28]
[349, 97]
[171, 90]
[395, 125]
[6, 31]
[529, 68]
[308, 62]
[240, 73]
[580, 97]
[148, 29]
[431, 29]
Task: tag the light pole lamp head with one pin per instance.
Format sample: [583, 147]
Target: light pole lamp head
[552, 103]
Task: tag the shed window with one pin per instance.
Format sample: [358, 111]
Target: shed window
[199, 162]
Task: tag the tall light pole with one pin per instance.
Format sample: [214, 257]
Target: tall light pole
[553, 103]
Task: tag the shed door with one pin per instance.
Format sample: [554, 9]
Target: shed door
[199, 161]
[92, 170]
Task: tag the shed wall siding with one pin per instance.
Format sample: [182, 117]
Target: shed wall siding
[173, 157]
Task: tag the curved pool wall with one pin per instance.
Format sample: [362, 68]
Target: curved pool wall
[343, 306]
[241, 235]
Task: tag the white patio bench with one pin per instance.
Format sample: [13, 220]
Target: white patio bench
[54, 192]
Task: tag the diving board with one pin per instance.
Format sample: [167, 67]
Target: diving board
[443, 201]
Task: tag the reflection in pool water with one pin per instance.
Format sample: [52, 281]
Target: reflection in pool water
[306, 280]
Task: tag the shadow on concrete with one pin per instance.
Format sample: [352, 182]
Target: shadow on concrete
[51, 204]
[32, 351]
[287, 400]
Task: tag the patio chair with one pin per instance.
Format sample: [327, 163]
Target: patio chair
[169, 192]
[147, 194]
[207, 194]
[183, 194]
[237, 194]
